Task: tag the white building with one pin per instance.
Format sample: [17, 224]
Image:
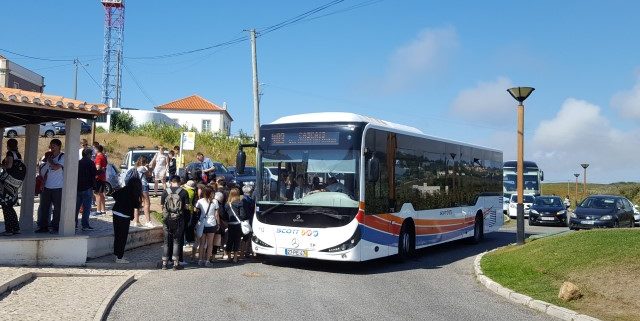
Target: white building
[199, 113]
[140, 117]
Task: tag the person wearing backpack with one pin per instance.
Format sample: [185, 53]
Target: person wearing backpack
[235, 214]
[53, 172]
[15, 168]
[127, 199]
[174, 206]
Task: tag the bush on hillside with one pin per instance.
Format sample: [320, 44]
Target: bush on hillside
[121, 122]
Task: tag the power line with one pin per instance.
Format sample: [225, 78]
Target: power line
[139, 85]
[299, 17]
[89, 74]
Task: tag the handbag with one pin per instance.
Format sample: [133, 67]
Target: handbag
[200, 225]
[244, 225]
[40, 180]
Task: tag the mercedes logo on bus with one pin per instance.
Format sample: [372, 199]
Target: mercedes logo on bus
[294, 242]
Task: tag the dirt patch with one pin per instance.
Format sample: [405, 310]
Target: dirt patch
[610, 294]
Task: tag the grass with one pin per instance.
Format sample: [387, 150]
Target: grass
[603, 264]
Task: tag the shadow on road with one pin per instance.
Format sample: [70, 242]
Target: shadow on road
[433, 257]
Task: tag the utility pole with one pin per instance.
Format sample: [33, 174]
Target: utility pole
[256, 98]
[75, 82]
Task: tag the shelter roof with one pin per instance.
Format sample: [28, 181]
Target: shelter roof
[20, 107]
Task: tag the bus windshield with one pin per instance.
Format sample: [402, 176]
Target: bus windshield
[310, 177]
[530, 182]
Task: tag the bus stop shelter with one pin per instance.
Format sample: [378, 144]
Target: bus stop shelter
[25, 108]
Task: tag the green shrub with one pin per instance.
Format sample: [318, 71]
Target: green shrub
[121, 122]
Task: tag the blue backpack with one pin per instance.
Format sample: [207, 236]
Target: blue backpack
[132, 172]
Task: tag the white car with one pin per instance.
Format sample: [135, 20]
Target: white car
[129, 160]
[527, 201]
[636, 214]
[46, 130]
[505, 205]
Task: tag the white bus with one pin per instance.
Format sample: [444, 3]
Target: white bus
[533, 177]
[368, 188]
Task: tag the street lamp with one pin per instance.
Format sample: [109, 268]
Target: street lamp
[576, 175]
[584, 177]
[520, 94]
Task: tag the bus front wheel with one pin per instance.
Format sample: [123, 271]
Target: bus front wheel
[406, 242]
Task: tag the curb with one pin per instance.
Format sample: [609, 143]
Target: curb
[146, 265]
[106, 305]
[545, 307]
[16, 281]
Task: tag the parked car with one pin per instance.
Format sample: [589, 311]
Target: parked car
[505, 204]
[113, 179]
[602, 211]
[61, 129]
[46, 130]
[548, 210]
[129, 160]
[513, 201]
[636, 214]
[248, 177]
[193, 171]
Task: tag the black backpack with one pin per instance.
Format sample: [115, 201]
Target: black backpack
[18, 170]
[172, 207]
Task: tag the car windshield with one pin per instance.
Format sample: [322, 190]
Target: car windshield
[548, 201]
[599, 202]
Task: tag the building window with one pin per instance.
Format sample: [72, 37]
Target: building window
[206, 125]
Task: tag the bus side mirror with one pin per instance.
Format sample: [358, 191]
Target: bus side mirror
[373, 170]
[241, 160]
[541, 176]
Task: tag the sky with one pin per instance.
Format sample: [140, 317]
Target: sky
[440, 66]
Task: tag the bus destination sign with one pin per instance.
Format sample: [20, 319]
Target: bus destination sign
[305, 138]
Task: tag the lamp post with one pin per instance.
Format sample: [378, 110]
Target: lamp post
[584, 177]
[520, 94]
[576, 175]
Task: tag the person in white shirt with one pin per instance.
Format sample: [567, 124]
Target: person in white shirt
[334, 186]
[160, 164]
[52, 170]
[207, 225]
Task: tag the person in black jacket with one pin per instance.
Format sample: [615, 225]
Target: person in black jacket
[173, 225]
[235, 214]
[127, 199]
[86, 182]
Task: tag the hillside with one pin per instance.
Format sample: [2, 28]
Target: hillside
[627, 189]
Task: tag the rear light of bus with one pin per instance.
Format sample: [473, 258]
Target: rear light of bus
[349, 244]
[258, 241]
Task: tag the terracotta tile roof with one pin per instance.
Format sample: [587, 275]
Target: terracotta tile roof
[193, 102]
[23, 98]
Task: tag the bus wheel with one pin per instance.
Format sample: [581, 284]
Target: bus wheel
[406, 242]
[478, 229]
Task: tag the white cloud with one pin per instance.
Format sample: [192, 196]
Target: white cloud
[488, 100]
[579, 133]
[426, 53]
[628, 102]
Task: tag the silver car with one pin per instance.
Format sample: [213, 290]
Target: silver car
[113, 179]
[46, 130]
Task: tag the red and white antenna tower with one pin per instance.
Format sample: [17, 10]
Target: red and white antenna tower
[113, 44]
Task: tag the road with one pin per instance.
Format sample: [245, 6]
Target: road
[438, 285]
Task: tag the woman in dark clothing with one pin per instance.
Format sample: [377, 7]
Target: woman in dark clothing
[126, 199]
[235, 213]
[12, 160]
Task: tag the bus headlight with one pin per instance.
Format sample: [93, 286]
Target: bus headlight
[349, 244]
[258, 241]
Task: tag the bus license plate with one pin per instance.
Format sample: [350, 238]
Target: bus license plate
[295, 252]
[587, 222]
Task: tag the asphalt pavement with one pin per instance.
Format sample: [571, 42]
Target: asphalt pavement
[437, 285]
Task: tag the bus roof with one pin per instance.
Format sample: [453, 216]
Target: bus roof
[333, 117]
[514, 164]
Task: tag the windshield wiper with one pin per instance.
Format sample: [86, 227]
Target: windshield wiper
[325, 212]
[273, 208]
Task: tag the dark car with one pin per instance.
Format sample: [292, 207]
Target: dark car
[248, 177]
[61, 128]
[193, 171]
[602, 211]
[548, 210]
